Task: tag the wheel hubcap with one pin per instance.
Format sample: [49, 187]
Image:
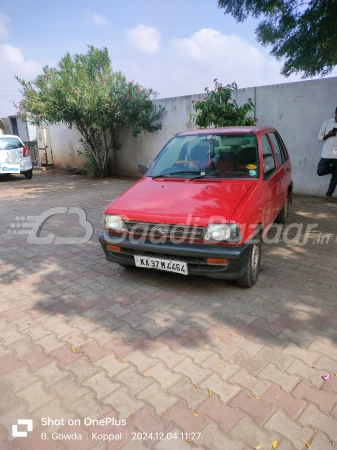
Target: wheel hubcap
[255, 258]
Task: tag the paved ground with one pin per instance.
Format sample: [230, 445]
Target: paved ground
[83, 339]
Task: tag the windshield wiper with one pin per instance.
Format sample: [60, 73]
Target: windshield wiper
[233, 172]
[214, 174]
[208, 174]
[173, 173]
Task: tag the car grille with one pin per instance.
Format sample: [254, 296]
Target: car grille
[168, 231]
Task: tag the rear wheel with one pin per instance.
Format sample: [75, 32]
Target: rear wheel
[251, 275]
[28, 174]
[283, 214]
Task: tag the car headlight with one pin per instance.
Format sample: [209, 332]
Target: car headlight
[111, 222]
[222, 232]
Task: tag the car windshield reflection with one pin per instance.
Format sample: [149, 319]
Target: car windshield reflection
[221, 156]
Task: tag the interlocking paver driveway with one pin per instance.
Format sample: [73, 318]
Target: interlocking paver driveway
[83, 339]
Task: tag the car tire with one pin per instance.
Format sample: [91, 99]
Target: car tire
[283, 214]
[251, 275]
[29, 174]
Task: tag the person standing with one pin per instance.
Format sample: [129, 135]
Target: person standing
[328, 162]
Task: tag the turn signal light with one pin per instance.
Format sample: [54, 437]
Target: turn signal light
[215, 261]
[25, 151]
[113, 248]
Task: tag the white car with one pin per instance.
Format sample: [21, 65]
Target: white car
[14, 156]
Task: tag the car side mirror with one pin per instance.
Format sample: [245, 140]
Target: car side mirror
[142, 168]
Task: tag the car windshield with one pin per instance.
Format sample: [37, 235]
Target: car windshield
[9, 143]
[205, 155]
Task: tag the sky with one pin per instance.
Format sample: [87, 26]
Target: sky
[176, 47]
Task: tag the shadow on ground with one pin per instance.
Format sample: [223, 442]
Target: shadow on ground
[296, 290]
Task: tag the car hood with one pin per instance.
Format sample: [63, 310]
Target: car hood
[175, 201]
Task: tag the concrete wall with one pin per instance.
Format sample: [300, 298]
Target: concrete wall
[31, 129]
[26, 131]
[147, 145]
[65, 143]
[297, 110]
[22, 129]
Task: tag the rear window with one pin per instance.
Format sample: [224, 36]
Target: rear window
[9, 143]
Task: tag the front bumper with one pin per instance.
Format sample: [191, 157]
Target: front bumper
[193, 254]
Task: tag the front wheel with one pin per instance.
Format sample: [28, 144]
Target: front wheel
[28, 174]
[251, 275]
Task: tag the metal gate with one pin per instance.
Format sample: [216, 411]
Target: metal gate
[44, 147]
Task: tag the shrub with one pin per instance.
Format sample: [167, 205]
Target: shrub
[219, 110]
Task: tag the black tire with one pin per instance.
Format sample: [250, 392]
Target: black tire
[28, 174]
[251, 275]
[283, 214]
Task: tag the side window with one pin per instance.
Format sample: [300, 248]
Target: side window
[268, 157]
[283, 147]
[279, 156]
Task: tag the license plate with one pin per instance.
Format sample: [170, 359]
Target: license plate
[161, 264]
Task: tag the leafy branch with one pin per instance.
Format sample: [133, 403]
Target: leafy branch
[219, 110]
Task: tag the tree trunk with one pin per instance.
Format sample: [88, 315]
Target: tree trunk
[97, 149]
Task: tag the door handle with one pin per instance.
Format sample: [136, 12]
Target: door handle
[277, 180]
[288, 169]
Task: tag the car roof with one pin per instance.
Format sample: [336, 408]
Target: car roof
[226, 130]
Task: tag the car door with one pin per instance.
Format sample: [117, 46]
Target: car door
[271, 181]
[287, 163]
[282, 167]
[11, 149]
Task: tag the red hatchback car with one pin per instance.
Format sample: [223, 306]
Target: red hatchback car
[203, 205]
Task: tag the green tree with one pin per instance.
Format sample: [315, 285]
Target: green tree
[302, 34]
[85, 93]
[218, 110]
